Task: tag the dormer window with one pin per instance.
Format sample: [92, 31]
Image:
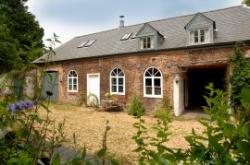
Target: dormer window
[146, 43]
[200, 30]
[148, 38]
[199, 36]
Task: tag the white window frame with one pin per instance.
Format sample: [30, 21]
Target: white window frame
[153, 95]
[206, 37]
[142, 42]
[117, 82]
[72, 81]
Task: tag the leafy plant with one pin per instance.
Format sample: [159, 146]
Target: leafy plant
[226, 139]
[136, 108]
[153, 149]
[165, 110]
[240, 77]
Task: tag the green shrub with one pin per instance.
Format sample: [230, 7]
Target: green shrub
[152, 149]
[225, 139]
[163, 111]
[240, 76]
[136, 108]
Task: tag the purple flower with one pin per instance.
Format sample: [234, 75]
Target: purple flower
[21, 105]
[12, 108]
[29, 104]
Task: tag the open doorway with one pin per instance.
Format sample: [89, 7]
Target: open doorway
[197, 79]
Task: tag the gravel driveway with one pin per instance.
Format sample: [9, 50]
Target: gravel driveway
[89, 126]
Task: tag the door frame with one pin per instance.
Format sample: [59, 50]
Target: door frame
[94, 74]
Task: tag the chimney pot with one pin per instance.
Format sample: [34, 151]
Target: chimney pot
[121, 21]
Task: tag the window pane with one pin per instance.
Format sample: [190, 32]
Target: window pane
[148, 42]
[196, 36]
[121, 74]
[202, 32]
[75, 87]
[114, 81]
[144, 42]
[196, 33]
[149, 90]
[196, 39]
[148, 74]
[151, 71]
[70, 87]
[120, 89]
[114, 88]
[202, 38]
[157, 82]
[148, 82]
[74, 81]
[158, 74]
[113, 73]
[157, 90]
[120, 81]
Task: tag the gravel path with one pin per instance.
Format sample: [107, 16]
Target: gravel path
[89, 126]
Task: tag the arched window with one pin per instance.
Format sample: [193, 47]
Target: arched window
[153, 83]
[117, 82]
[72, 81]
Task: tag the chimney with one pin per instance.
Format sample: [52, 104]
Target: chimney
[121, 21]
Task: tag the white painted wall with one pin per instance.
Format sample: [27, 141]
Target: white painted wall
[178, 84]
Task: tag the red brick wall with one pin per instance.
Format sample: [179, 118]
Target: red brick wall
[133, 66]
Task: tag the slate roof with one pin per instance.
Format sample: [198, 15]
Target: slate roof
[232, 24]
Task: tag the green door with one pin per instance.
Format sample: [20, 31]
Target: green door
[50, 86]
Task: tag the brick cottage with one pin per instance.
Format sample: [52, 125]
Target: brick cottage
[173, 58]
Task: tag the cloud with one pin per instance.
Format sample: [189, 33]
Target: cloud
[78, 17]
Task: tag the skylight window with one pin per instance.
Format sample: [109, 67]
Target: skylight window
[82, 44]
[126, 36]
[134, 36]
[89, 43]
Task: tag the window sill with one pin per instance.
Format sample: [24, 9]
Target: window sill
[154, 96]
[72, 91]
[121, 94]
[201, 43]
[145, 49]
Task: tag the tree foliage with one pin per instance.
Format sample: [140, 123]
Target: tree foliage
[247, 2]
[8, 48]
[23, 33]
[240, 77]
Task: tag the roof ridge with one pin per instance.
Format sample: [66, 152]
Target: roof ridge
[163, 19]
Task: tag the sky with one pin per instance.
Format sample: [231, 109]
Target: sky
[71, 18]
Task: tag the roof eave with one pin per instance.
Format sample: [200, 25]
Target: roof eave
[209, 45]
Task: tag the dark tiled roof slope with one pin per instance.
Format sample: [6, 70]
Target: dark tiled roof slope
[232, 24]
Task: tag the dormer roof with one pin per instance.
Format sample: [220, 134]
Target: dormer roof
[147, 30]
[200, 19]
